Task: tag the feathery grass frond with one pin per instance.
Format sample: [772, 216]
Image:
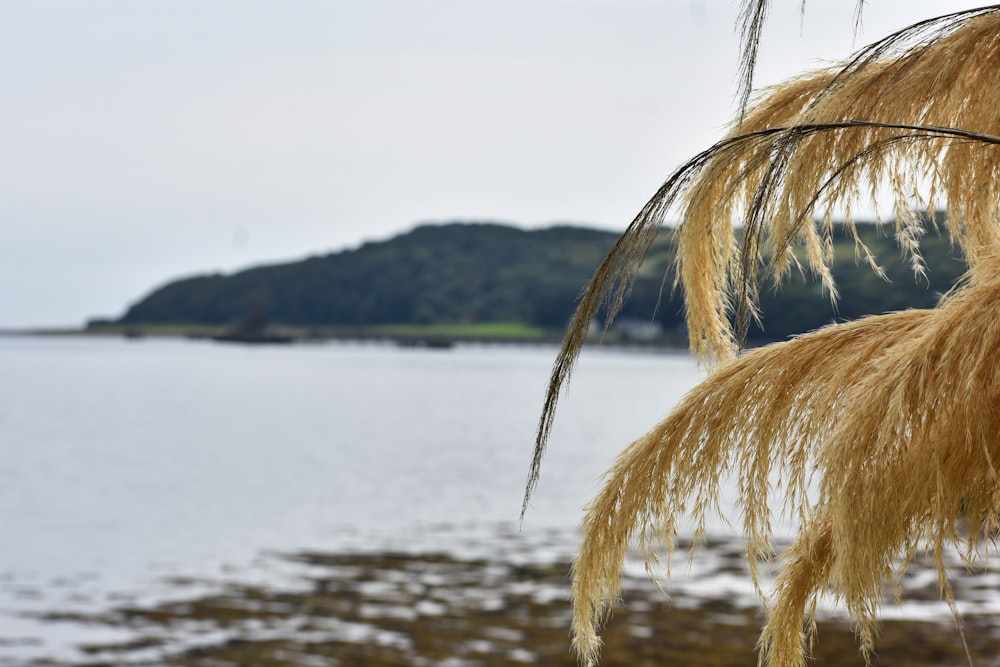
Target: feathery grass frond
[752, 16]
[882, 432]
[896, 415]
[940, 73]
[913, 113]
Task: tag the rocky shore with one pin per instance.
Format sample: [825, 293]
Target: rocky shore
[427, 609]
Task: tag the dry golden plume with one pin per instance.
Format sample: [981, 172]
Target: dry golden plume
[893, 418]
[753, 15]
[895, 414]
[912, 117]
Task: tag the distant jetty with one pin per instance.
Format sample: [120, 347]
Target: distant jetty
[433, 342]
[254, 338]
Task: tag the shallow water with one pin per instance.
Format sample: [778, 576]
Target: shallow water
[129, 464]
[152, 475]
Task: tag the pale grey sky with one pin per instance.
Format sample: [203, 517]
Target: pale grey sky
[143, 140]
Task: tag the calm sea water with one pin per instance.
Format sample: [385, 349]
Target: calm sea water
[127, 463]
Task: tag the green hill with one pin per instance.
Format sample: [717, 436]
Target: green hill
[462, 273]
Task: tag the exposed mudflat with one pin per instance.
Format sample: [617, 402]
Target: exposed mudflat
[440, 610]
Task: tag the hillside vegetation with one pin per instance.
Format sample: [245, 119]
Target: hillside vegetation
[472, 273]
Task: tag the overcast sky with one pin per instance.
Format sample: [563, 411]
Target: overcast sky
[144, 140]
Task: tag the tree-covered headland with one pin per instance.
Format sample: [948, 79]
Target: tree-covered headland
[479, 273]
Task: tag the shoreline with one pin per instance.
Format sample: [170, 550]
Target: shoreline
[432, 608]
[431, 339]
